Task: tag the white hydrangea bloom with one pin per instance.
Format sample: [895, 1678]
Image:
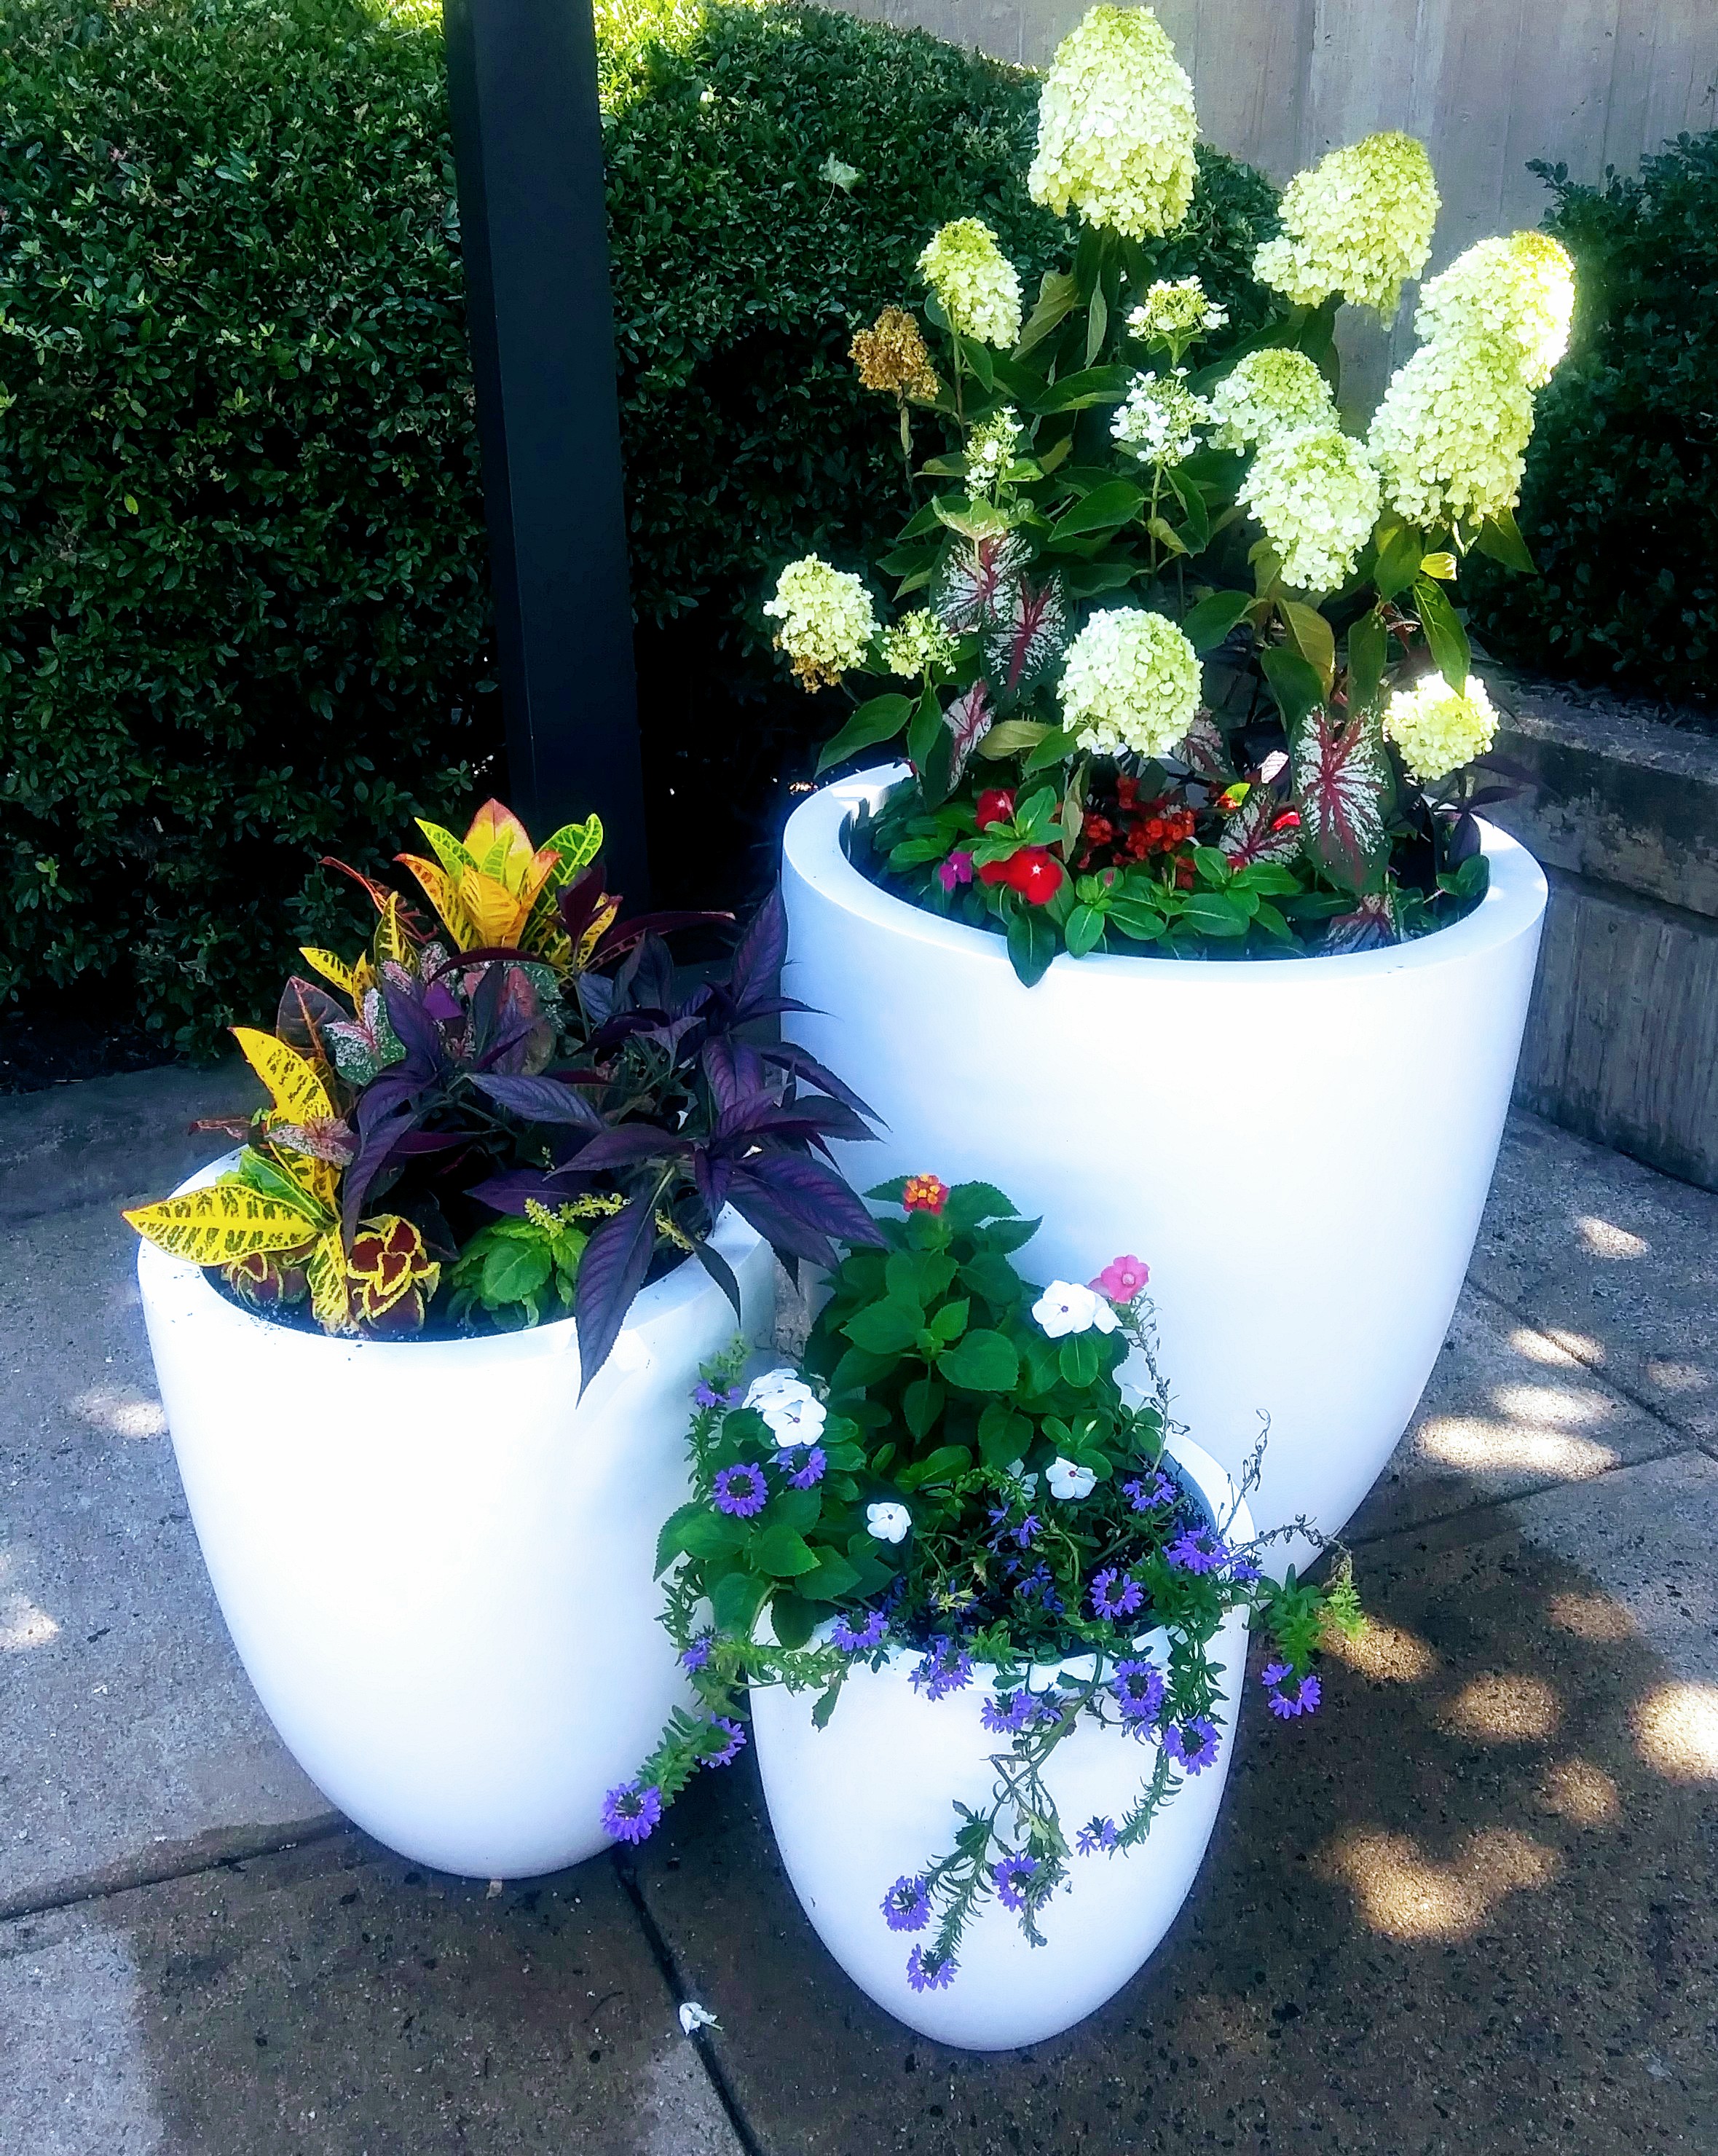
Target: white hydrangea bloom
[1269, 392]
[1157, 422]
[917, 643]
[1359, 222]
[1519, 290]
[1317, 494]
[991, 448]
[978, 286]
[1116, 126]
[1451, 433]
[827, 620]
[1130, 682]
[1175, 313]
[1438, 728]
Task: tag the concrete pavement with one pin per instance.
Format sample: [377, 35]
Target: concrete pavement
[1468, 1909]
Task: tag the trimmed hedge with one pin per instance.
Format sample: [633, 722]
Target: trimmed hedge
[243, 620]
[1620, 503]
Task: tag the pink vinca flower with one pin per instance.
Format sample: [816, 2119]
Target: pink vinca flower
[1122, 1279]
[958, 869]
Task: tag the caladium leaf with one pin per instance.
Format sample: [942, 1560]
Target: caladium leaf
[1261, 829]
[1341, 781]
[1371, 924]
[969, 588]
[1026, 638]
[611, 1271]
[1205, 751]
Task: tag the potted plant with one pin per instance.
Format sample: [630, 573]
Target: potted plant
[424, 1340]
[1186, 833]
[975, 1593]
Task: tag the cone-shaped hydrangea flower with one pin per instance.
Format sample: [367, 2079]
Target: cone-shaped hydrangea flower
[1116, 126]
[916, 643]
[1519, 291]
[977, 285]
[1158, 421]
[1451, 433]
[1175, 313]
[1130, 682]
[1316, 494]
[827, 620]
[1359, 222]
[891, 356]
[1438, 728]
[1270, 392]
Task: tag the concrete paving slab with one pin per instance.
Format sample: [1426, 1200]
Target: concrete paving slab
[1464, 1912]
[1618, 1264]
[337, 2000]
[1507, 1411]
[129, 1739]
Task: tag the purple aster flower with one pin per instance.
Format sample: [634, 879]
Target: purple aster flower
[731, 1751]
[1009, 1877]
[629, 1813]
[1200, 1549]
[906, 1906]
[705, 1395]
[809, 1472]
[1146, 1496]
[741, 1490]
[697, 1655]
[1110, 1600]
[928, 1975]
[1138, 1686]
[1095, 1834]
[869, 1634]
[1006, 1713]
[944, 1669]
[1278, 1678]
[1192, 1744]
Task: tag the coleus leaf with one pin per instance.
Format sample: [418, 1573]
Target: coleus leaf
[1261, 829]
[968, 589]
[611, 1271]
[1341, 781]
[1027, 637]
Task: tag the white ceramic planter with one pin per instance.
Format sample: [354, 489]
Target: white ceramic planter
[1301, 1150]
[436, 1561]
[871, 1798]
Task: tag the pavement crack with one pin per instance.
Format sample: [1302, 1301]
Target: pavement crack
[182, 1863]
[1653, 1409]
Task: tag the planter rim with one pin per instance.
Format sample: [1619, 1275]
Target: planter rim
[661, 1300]
[812, 845]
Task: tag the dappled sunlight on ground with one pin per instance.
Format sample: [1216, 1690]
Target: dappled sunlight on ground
[1676, 1731]
[1504, 1708]
[121, 1411]
[1599, 1618]
[23, 1625]
[1582, 1793]
[1605, 1240]
[1405, 1894]
[1386, 1652]
[1473, 1446]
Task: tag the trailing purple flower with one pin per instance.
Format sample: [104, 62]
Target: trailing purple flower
[629, 1813]
[731, 1751]
[1006, 1713]
[945, 1669]
[906, 1906]
[1113, 1600]
[1289, 1695]
[1138, 1686]
[869, 1634]
[1095, 1834]
[1200, 1549]
[810, 1471]
[697, 1655]
[1146, 1496]
[1192, 1744]
[741, 1490]
[1009, 1878]
[928, 1975]
[705, 1395]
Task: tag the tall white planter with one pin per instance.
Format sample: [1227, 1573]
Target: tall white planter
[436, 1561]
[871, 1798]
[1300, 1149]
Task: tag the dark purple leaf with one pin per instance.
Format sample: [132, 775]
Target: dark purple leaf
[622, 1028]
[1463, 840]
[733, 1068]
[1340, 779]
[399, 1083]
[441, 1003]
[625, 1147]
[788, 1056]
[722, 1273]
[380, 1135]
[508, 1192]
[805, 1191]
[712, 1172]
[413, 1027]
[577, 904]
[625, 933]
[611, 1271]
[415, 1142]
[755, 973]
[304, 1010]
[817, 1117]
[786, 1235]
[539, 1100]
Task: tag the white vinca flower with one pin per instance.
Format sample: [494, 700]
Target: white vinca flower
[1157, 420]
[1067, 1306]
[1316, 494]
[1069, 1481]
[827, 620]
[917, 642]
[1359, 222]
[1518, 291]
[791, 1411]
[1116, 126]
[1175, 313]
[1438, 728]
[1450, 435]
[977, 285]
[1129, 683]
[1269, 392]
[888, 1524]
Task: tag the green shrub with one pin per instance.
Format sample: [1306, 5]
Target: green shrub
[1620, 504]
[242, 619]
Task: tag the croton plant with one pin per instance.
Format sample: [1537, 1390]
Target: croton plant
[1179, 649]
[513, 1111]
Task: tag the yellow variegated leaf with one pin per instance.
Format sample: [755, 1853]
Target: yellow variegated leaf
[438, 888]
[390, 940]
[325, 1276]
[578, 845]
[319, 1179]
[601, 920]
[331, 969]
[498, 844]
[454, 858]
[221, 1222]
[297, 1092]
[495, 914]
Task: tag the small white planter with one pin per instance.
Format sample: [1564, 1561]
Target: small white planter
[1300, 1149]
[871, 1798]
[436, 1561]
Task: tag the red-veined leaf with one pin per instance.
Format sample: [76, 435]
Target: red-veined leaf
[1261, 829]
[969, 587]
[969, 719]
[1206, 752]
[1339, 781]
[1026, 638]
[1371, 924]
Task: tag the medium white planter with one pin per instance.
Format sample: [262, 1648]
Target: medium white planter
[869, 1798]
[1300, 1149]
[436, 1561]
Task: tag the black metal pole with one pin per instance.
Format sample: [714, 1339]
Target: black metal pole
[528, 153]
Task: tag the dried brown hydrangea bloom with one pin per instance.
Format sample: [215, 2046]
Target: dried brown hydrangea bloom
[891, 356]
